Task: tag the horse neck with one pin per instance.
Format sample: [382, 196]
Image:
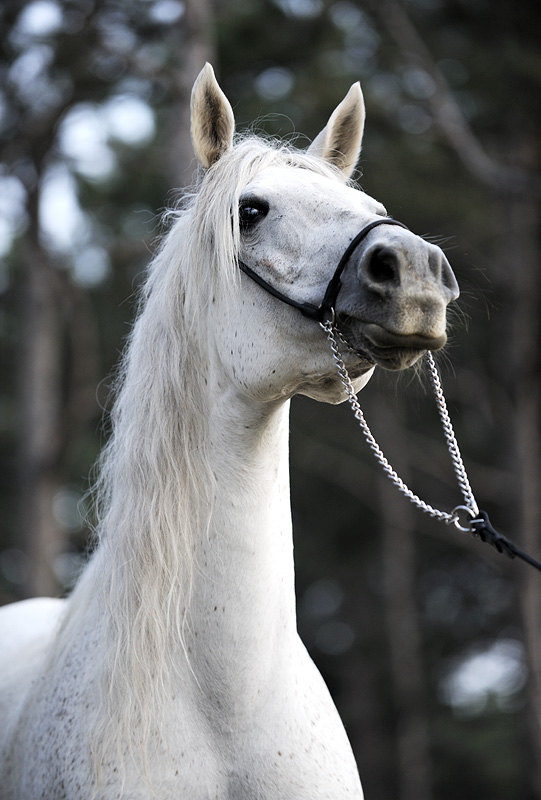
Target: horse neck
[242, 606]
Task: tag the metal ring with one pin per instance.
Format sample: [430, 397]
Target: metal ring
[458, 514]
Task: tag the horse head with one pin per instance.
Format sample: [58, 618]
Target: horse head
[297, 222]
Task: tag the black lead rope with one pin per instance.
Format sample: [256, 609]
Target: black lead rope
[477, 523]
[482, 527]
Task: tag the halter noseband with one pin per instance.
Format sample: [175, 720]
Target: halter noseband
[326, 307]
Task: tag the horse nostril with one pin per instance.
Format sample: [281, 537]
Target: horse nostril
[448, 279]
[382, 266]
[442, 271]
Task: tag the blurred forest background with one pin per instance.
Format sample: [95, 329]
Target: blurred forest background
[429, 641]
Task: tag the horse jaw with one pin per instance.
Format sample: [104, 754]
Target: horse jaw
[330, 390]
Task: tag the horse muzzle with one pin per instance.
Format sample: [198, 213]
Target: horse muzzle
[394, 298]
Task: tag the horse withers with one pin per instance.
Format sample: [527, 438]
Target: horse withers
[174, 669]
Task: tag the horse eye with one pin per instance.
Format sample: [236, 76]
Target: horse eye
[251, 211]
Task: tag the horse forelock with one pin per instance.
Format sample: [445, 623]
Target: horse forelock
[155, 484]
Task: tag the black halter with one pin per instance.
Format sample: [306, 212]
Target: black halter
[326, 307]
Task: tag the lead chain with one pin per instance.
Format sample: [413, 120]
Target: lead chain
[461, 515]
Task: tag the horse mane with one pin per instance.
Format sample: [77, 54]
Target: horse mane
[155, 486]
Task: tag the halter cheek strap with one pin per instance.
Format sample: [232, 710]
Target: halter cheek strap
[325, 308]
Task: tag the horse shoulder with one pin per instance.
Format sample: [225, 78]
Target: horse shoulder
[28, 623]
[27, 630]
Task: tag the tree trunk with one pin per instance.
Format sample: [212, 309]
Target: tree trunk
[198, 47]
[403, 627]
[40, 414]
[520, 363]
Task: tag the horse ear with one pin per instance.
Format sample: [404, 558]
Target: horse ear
[212, 121]
[340, 140]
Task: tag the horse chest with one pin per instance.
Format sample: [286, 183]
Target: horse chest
[292, 745]
[285, 742]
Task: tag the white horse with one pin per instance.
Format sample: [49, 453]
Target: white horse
[175, 670]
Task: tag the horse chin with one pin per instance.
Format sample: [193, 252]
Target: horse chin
[398, 360]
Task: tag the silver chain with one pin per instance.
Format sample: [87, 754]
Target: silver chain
[460, 516]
